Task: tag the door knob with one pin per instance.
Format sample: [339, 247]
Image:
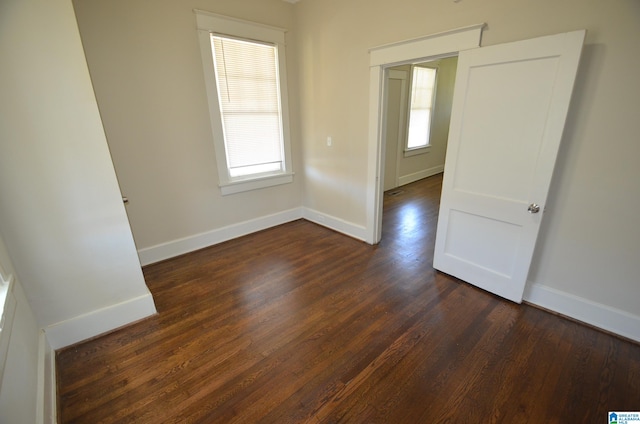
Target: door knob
[533, 208]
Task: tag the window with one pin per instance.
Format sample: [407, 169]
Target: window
[244, 67]
[249, 100]
[423, 91]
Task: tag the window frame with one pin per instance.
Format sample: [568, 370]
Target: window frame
[210, 23]
[426, 147]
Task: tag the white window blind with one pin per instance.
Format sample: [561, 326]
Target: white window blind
[249, 95]
[422, 96]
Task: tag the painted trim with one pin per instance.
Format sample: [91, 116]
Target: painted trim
[46, 407]
[199, 241]
[255, 183]
[593, 313]
[8, 306]
[336, 224]
[211, 23]
[380, 58]
[410, 178]
[443, 42]
[100, 321]
[188, 244]
[375, 166]
[418, 150]
[41, 385]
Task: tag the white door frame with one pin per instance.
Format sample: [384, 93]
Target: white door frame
[380, 58]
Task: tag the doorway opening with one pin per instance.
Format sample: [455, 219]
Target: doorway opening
[513, 99]
[416, 129]
[416, 112]
[382, 59]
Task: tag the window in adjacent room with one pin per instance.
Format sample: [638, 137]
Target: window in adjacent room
[421, 103]
[245, 75]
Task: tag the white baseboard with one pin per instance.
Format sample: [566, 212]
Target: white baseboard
[184, 245]
[46, 409]
[336, 224]
[407, 179]
[593, 313]
[100, 321]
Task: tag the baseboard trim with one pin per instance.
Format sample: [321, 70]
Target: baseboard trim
[184, 245]
[407, 179]
[350, 229]
[596, 314]
[99, 322]
[46, 408]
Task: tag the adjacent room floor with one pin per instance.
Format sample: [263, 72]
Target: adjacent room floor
[299, 324]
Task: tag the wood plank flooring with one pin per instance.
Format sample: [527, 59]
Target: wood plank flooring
[299, 324]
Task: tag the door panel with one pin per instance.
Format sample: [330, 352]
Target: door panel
[532, 80]
[508, 115]
[395, 105]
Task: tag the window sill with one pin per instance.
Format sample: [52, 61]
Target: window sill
[418, 151]
[255, 183]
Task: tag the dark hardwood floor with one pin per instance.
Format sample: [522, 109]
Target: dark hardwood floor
[299, 324]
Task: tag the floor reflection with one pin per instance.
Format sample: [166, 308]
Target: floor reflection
[409, 226]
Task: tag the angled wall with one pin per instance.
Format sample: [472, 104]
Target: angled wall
[61, 213]
[146, 67]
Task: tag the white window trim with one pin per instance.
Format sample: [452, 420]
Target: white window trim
[208, 23]
[416, 150]
[427, 147]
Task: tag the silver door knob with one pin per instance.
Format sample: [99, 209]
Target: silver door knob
[533, 208]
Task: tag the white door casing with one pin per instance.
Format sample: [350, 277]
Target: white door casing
[381, 58]
[509, 109]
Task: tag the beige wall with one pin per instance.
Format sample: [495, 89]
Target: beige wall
[412, 167]
[590, 241]
[144, 60]
[61, 214]
[145, 65]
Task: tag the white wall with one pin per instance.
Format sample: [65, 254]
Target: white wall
[19, 389]
[145, 64]
[586, 263]
[19, 381]
[61, 213]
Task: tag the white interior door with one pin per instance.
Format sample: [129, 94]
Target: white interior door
[509, 109]
[395, 110]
